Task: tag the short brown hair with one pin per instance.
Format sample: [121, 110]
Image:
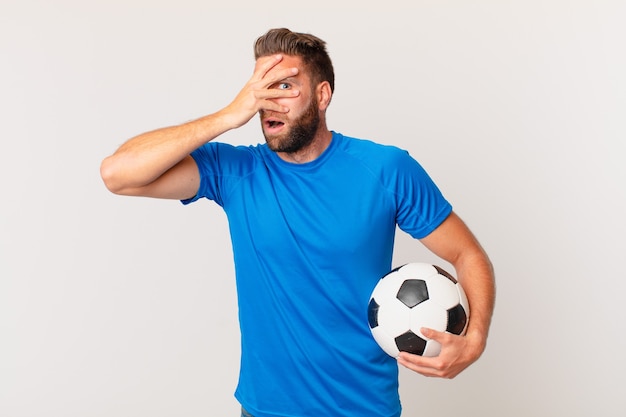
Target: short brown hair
[310, 48]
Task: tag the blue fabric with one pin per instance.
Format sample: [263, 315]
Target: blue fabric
[310, 242]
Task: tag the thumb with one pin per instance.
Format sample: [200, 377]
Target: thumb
[432, 334]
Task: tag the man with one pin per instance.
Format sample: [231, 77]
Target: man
[312, 216]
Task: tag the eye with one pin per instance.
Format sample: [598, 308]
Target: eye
[283, 86]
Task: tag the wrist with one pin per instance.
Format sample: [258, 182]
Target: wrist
[477, 341]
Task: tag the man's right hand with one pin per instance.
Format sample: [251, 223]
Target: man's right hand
[157, 163]
[257, 95]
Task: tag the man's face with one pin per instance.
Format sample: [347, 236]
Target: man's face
[292, 131]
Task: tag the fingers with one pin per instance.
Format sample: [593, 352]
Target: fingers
[449, 363]
[434, 334]
[264, 99]
[266, 63]
[436, 367]
[268, 73]
[265, 70]
[427, 366]
[260, 93]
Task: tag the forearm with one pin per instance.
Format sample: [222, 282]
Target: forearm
[137, 165]
[455, 243]
[475, 273]
[144, 158]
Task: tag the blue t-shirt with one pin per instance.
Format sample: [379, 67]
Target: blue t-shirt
[310, 242]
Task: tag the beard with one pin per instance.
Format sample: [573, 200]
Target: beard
[300, 135]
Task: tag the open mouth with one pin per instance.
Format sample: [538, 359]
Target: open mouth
[273, 124]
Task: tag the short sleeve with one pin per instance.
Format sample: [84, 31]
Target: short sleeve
[420, 205]
[221, 166]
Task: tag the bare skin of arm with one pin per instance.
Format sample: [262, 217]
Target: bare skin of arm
[454, 242]
[157, 163]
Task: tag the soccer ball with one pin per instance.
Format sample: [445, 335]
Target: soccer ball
[413, 296]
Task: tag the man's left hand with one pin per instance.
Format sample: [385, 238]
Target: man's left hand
[457, 353]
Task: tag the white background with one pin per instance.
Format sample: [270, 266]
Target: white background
[113, 306]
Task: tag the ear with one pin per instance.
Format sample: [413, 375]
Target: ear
[324, 94]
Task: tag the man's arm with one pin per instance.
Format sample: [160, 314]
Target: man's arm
[455, 243]
[157, 163]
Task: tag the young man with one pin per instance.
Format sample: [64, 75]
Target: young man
[312, 216]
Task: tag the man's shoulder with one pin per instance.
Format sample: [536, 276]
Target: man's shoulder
[370, 150]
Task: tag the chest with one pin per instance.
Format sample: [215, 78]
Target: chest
[343, 213]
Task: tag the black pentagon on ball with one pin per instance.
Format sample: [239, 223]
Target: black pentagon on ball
[372, 313]
[410, 342]
[457, 318]
[413, 292]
